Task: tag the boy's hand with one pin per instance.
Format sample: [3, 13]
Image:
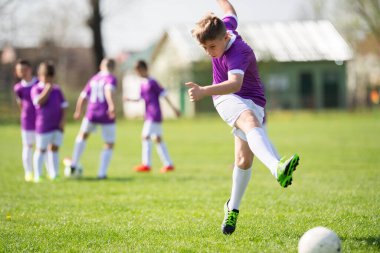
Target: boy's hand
[177, 113]
[195, 91]
[76, 115]
[111, 113]
[61, 126]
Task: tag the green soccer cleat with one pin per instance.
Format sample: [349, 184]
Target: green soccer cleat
[285, 170]
[230, 219]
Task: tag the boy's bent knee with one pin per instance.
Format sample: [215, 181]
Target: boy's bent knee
[54, 148]
[243, 163]
[82, 136]
[109, 145]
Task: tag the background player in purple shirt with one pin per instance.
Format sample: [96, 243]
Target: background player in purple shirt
[238, 97]
[22, 90]
[50, 107]
[151, 92]
[100, 111]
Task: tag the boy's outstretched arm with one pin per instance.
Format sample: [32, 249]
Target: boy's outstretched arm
[226, 7]
[176, 111]
[232, 85]
[128, 99]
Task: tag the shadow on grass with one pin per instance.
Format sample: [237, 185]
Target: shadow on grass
[109, 179]
[372, 241]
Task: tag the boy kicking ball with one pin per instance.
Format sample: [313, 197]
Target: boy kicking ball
[238, 96]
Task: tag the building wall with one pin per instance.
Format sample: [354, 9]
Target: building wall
[311, 85]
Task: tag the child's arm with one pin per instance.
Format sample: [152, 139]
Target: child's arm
[78, 107]
[176, 111]
[226, 7]
[44, 95]
[110, 101]
[63, 120]
[232, 85]
[19, 104]
[125, 98]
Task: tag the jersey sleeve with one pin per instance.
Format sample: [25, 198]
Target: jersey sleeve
[237, 62]
[230, 21]
[34, 94]
[86, 91]
[64, 103]
[157, 88]
[111, 83]
[17, 91]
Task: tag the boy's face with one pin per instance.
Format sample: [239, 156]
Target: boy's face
[23, 71]
[215, 48]
[141, 72]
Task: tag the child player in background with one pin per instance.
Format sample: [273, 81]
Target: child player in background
[50, 107]
[150, 92]
[99, 93]
[238, 97]
[22, 90]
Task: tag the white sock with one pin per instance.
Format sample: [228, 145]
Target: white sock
[38, 160]
[146, 152]
[105, 159]
[240, 180]
[27, 158]
[164, 154]
[261, 148]
[274, 150]
[79, 147]
[48, 167]
[53, 161]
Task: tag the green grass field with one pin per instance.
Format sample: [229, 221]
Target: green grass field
[337, 185]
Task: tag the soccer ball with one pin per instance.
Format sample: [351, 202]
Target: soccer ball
[319, 240]
[69, 172]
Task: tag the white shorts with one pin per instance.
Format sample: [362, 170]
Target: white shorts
[108, 130]
[53, 137]
[151, 128]
[28, 137]
[231, 106]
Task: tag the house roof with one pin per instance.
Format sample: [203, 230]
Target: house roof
[294, 41]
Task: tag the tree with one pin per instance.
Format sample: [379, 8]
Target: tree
[95, 24]
[97, 16]
[369, 11]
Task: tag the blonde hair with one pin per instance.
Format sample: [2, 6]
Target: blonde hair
[208, 28]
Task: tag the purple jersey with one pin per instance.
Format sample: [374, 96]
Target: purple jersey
[48, 115]
[28, 112]
[239, 58]
[151, 92]
[97, 108]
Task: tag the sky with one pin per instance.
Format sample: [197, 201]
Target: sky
[144, 21]
[129, 25]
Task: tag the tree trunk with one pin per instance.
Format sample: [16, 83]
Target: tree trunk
[95, 23]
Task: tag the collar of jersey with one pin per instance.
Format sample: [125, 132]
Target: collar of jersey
[27, 84]
[232, 40]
